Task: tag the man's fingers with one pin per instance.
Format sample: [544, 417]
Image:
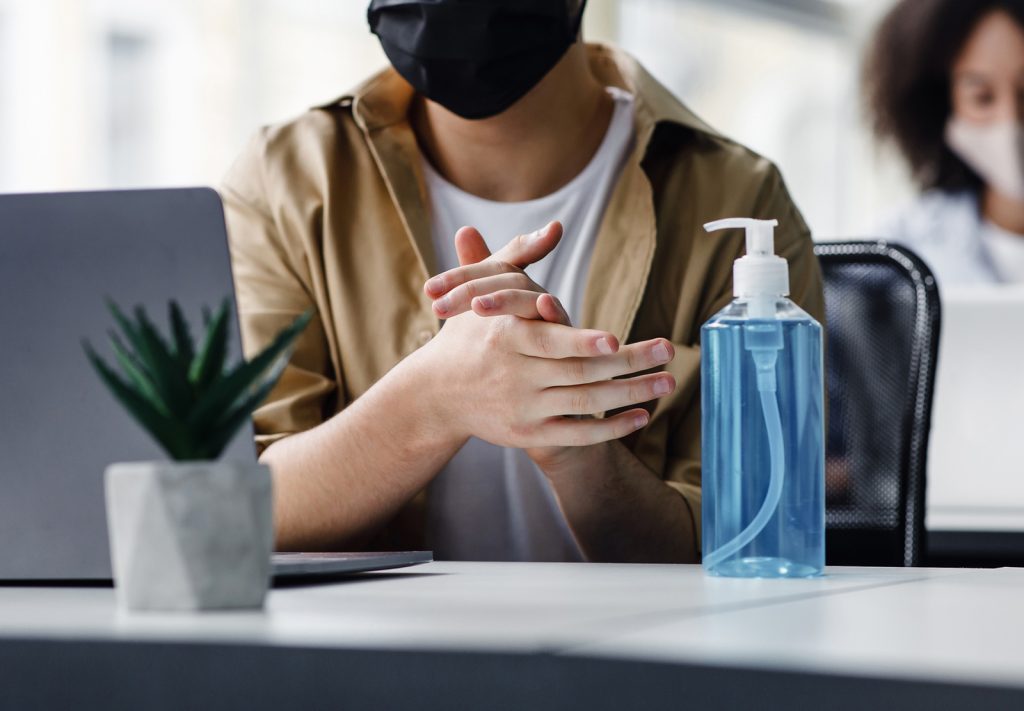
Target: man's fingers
[542, 339]
[572, 432]
[607, 395]
[459, 299]
[551, 309]
[524, 250]
[632, 358]
[470, 246]
[507, 302]
[439, 285]
[546, 306]
[472, 250]
[520, 302]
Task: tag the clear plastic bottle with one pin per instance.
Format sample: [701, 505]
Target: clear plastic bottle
[762, 405]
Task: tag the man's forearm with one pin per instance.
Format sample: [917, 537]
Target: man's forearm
[338, 483]
[618, 509]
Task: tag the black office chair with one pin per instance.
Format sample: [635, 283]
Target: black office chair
[883, 315]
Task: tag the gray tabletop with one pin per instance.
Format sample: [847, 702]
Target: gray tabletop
[512, 635]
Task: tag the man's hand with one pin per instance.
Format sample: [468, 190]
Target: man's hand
[495, 285]
[524, 382]
[513, 381]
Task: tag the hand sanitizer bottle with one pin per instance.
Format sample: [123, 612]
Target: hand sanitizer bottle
[763, 476]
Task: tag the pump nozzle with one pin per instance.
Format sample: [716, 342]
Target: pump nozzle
[760, 273]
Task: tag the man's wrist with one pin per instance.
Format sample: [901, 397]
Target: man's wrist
[421, 385]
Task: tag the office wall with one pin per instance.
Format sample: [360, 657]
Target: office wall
[119, 93]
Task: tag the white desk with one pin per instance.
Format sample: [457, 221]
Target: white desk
[445, 635]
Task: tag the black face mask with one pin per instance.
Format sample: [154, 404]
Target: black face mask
[474, 57]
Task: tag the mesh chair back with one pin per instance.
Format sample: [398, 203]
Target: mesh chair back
[882, 324]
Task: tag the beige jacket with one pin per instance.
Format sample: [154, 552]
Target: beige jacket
[330, 211]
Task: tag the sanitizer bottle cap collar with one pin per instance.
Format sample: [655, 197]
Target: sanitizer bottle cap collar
[760, 273]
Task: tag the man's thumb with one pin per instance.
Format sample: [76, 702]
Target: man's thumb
[524, 250]
[470, 246]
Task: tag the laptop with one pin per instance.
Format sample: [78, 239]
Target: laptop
[975, 457]
[61, 255]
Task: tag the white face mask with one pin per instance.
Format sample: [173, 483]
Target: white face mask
[995, 151]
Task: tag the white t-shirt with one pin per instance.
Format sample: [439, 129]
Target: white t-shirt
[490, 502]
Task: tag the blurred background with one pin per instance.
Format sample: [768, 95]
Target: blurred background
[131, 93]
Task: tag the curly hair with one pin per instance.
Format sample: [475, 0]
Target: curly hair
[907, 82]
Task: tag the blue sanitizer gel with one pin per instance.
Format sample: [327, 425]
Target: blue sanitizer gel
[762, 399]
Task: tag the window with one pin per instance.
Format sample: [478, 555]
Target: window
[130, 122]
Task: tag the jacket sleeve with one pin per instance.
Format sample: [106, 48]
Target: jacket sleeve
[272, 289]
[681, 434]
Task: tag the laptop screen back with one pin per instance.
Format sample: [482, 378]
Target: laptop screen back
[61, 256]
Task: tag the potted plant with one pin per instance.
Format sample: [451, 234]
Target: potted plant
[193, 533]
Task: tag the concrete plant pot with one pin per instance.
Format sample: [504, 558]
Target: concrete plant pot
[190, 535]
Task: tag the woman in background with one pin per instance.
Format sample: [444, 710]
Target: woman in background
[945, 82]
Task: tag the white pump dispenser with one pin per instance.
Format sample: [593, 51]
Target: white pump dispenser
[762, 349]
[760, 274]
[763, 503]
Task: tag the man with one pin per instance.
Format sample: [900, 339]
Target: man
[532, 425]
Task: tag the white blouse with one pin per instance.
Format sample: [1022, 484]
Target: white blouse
[948, 232]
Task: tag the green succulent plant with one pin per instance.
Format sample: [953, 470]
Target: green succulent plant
[187, 398]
